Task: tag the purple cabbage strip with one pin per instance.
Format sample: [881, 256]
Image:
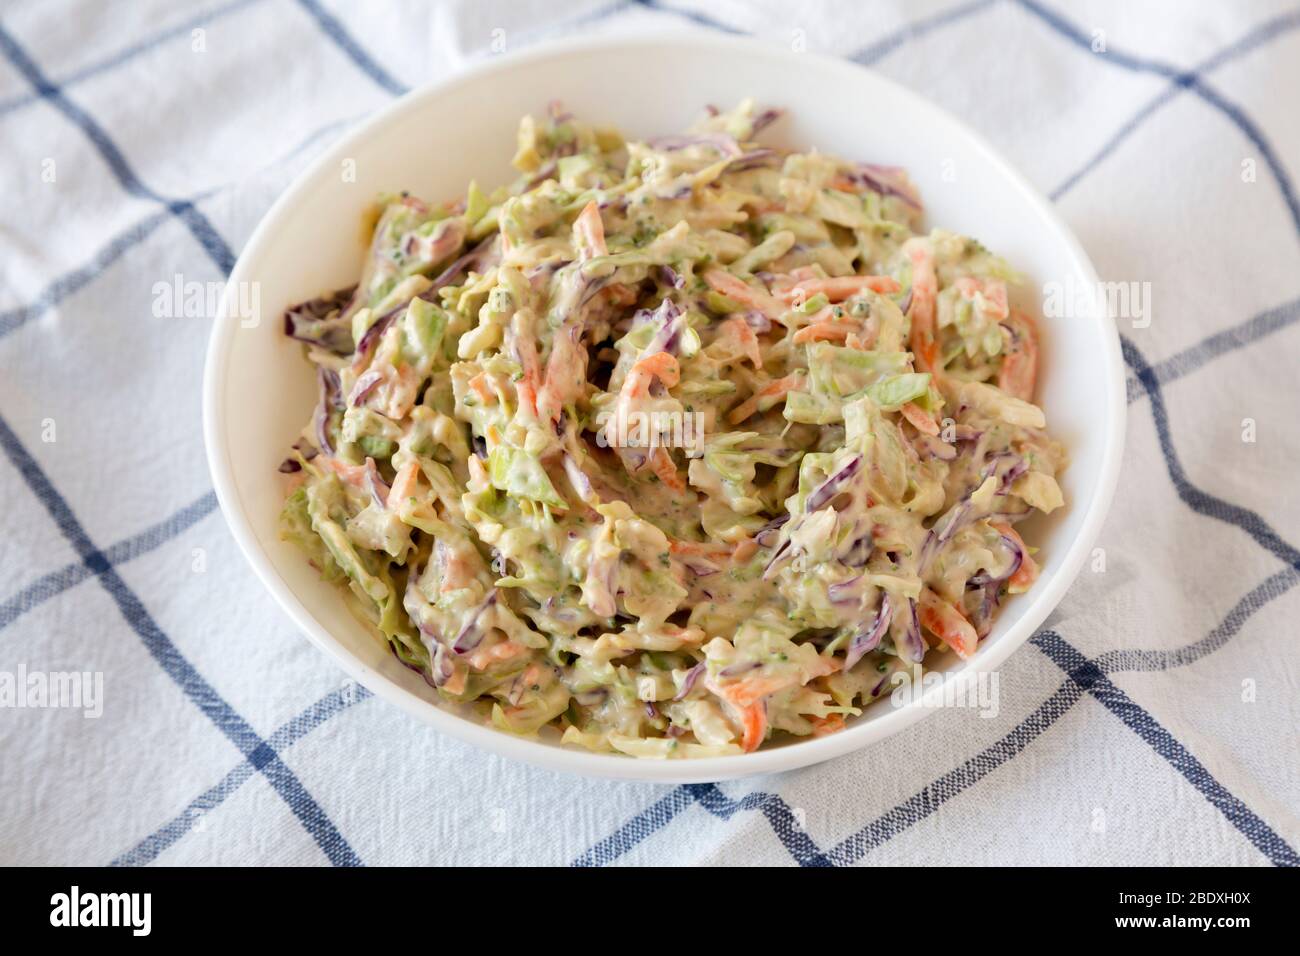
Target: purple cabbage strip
[828, 488]
[376, 329]
[330, 392]
[839, 591]
[868, 638]
[670, 319]
[440, 665]
[669, 276]
[681, 192]
[700, 570]
[765, 119]
[906, 304]
[691, 677]
[321, 321]
[1017, 559]
[724, 144]
[375, 484]
[887, 181]
[590, 698]
[859, 551]
[364, 386]
[1010, 475]
[757, 321]
[484, 255]
[427, 679]
[471, 635]
[577, 477]
[952, 522]
[764, 534]
[545, 172]
[289, 466]
[735, 670]
[915, 644]
[777, 555]
[754, 159]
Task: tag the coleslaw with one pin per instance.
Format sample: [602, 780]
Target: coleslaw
[672, 446]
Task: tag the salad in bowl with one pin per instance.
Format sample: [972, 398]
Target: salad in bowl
[674, 446]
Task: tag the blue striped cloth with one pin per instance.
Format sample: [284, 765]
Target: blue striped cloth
[1154, 721]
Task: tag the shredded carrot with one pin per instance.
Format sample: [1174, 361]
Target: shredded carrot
[994, 292]
[662, 365]
[839, 288]
[924, 345]
[776, 389]
[727, 284]
[922, 420]
[1027, 573]
[404, 484]
[590, 231]
[662, 464]
[527, 389]
[745, 549]
[354, 475]
[1020, 365]
[754, 721]
[824, 332]
[745, 692]
[824, 726]
[486, 655]
[747, 338]
[480, 386]
[947, 623]
[455, 684]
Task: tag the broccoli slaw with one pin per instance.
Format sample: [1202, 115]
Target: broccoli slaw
[673, 445]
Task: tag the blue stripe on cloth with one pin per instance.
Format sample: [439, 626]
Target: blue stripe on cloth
[1089, 676]
[74, 281]
[129, 53]
[970, 772]
[693, 16]
[182, 209]
[78, 279]
[914, 31]
[1220, 343]
[332, 704]
[925, 802]
[335, 30]
[1134, 659]
[1201, 502]
[780, 817]
[1257, 37]
[173, 662]
[1184, 78]
[56, 582]
[642, 825]
[921, 805]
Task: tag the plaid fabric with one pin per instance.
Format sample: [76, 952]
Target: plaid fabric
[1153, 722]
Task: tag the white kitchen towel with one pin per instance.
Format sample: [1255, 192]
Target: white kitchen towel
[1153, 722]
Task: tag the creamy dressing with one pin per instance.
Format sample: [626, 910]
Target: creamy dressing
[499, 466]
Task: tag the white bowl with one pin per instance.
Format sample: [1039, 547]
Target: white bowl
[259, 391]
